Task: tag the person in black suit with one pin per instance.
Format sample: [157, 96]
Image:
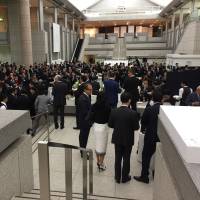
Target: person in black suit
[84, 105]
[77, 94]
[149, 124]
[124, 121]
[131, 84]
[194, 98]
[59, 92]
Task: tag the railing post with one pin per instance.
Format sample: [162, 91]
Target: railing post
[43, 156]
[84, 175]
[91, 173]
[68, 173]
[48, 125]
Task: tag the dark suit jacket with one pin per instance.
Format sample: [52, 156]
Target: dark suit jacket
[193, 97]
[84, 105]
[78, 93]
[149, 122]
[124, 121]
[131, 86]
[112, 89]
[59, 92]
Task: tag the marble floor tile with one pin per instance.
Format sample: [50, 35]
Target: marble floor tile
[104, 183]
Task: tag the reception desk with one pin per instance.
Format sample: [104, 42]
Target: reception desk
[177, 163]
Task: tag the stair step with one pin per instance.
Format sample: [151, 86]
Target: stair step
[80, 195]
[59, 195]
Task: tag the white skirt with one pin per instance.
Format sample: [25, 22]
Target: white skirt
[101, 137]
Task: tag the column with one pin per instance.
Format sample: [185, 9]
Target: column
[41, 15]
[25, 25]
[194, 10]
[173, 30]
[73, 24]
[20, 32]
[66, 20]
[56, 15]
[181, 17]
[166, 30]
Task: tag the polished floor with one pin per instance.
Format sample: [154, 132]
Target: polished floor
[104, 183]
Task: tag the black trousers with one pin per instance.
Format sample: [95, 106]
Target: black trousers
[58, 109]
[122, 170]
[148, 151]
[83, 136]
[77, 116]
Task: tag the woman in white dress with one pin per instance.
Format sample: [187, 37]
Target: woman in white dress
[100, 115]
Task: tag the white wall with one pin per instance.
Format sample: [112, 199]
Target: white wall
[5, 53]
[190, 42]
[40, 46]
[148, 53]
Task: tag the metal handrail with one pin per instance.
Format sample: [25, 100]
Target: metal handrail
[44, 172]
[47, 121]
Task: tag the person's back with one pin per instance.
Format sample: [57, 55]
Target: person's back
[186, 92]
[149, 121]
[101, 112]
[111, 88]
[59, 92]
[125, 121]
[23, 102]
[41, 103]
[95, 87]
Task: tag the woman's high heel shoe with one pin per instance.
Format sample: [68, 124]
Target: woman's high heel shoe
[101, 167]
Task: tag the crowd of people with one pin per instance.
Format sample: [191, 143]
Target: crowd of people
[26, 88]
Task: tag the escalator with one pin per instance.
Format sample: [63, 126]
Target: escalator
[77, 50]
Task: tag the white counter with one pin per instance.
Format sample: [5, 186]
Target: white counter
[183, 126]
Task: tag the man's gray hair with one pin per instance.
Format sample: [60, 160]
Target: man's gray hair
[57, 78]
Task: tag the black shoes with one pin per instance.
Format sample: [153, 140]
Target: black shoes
[127, 179]
[56, 126]
[76, 128]
[142, 179]
[87, 156]
[124, 180]
[61, 126]
[117, 181]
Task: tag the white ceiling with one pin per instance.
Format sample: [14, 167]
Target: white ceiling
[83, 4]
[162, 2]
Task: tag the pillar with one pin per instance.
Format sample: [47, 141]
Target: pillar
[20, 32]
[41, 15]
[181, 17]
[56, 15]
[66, 21]
[73, 24]
[166, 30]
[173, 30]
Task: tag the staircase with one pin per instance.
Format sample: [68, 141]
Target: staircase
[119, 51]
[77, 50]
[58, 195]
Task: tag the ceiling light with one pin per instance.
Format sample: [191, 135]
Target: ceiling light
[1, 19]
